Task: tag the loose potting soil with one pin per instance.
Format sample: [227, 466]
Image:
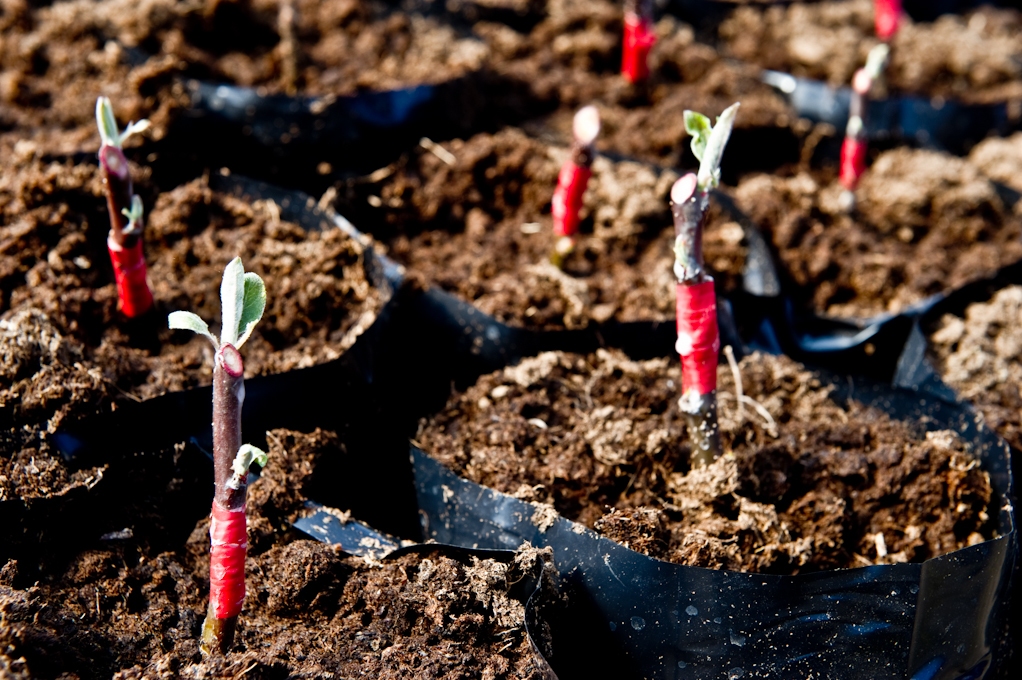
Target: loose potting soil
[830, 40]
[808, 483]
[125, 597]
[925, 223]
[978, 355]
[479, 226]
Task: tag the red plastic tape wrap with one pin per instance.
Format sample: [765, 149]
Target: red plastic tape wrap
[886, 16]
[228, 538]
[853, 162]
[698, 337]
[638, 41]
[130, 274]
[567, 201]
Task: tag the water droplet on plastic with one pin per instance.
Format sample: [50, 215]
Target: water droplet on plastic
[735, 673]
[913, 589]
[737, 640]
[691, 611]
[716, 620]
[613, 626]
[638, 623]
[682, 664]
[960, 648]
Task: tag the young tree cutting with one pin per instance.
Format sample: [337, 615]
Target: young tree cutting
[572, 182]
[243, 299]
[124, 243]
[856, 143]
[698, 336]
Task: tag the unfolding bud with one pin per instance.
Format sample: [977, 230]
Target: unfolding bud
[708, 143]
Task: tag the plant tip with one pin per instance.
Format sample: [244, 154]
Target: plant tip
[684, 189]
[586, 126]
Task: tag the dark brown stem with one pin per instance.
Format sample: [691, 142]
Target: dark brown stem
[689, 214]
[117, 182]
[582, 154]
[228, 397]
[701, 417]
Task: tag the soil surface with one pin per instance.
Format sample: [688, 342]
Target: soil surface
[808, 482]
[128, 601]
[830, 40]
[473, 217]
[925, 222]
[979, 356]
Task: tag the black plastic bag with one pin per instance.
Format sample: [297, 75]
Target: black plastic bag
[944, 618]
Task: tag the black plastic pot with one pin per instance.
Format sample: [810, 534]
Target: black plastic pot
[637, 617]
[939, 124]
[357, 538]
[334, 393]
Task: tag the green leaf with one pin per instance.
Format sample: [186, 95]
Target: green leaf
[698, 127]
[187, 321]
[232, 301]
[253, 306]
[106, 123]
[247, 454]
[709, 165]
[134, 215]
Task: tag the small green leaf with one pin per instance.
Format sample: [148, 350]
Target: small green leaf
[876, 60]
[135, 129]
[134, 215]
[232, 301]
[252, 309]
[187, 321]
[247, 454]
[709, 165]
[698, 127]
[106, 123]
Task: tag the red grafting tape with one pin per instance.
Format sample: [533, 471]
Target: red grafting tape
[639, 39]
[130, 275]
[698, 337]
[567, 201]
[887, 16]
[853, 161]
[228, 539]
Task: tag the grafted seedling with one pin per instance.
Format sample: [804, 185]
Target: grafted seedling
[853, 150]
[243, 298]
[124, 243]
[698, 336]
[639, 38]
[572, 182]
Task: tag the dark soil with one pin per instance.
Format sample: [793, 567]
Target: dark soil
[925, 223]
[61, 325]
[830, 40]
[480, 227]
[129, 604]
[979, 356]
[808, 483]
